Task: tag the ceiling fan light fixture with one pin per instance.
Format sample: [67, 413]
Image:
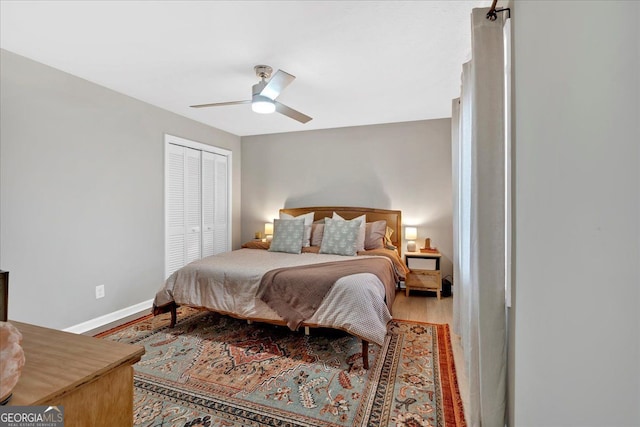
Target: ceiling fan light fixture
[264, 94]
[262, 104]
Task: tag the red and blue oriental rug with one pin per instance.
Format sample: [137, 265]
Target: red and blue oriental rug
[214, 370]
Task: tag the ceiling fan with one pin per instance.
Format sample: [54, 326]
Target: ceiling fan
[264, 94]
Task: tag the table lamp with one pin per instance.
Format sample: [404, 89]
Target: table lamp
[268, 231]
[411, 234]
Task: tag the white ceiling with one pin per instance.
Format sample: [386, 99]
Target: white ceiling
[356, 62]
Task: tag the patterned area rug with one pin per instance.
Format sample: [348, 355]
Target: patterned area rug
[213, 370]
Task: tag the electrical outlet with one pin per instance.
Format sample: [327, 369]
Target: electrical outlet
[99, 291]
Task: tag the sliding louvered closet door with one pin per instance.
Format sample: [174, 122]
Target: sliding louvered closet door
[215, 230]
[193, 205]
[208, 202]
[197, 192]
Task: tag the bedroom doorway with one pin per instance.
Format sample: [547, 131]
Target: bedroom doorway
[197, 201]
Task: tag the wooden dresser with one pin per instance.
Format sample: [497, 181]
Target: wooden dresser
[91, 378]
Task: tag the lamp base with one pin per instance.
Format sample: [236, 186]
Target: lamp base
[411, 246]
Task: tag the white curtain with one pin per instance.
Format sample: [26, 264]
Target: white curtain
[479, 222]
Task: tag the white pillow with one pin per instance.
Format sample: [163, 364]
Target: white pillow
[361, 234]
[308, 220]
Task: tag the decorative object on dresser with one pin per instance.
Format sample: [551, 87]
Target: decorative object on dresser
[11, 359]
[425, 272]
[11, 353]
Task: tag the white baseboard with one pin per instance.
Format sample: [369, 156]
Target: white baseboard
[108, 321]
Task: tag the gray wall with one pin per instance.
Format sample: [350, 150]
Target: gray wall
[82, 194]
[576, 340]
[404, 166]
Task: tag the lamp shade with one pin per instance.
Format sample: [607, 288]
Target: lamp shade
[268, 228]
[410, 233]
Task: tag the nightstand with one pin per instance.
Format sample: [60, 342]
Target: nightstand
[425, 272]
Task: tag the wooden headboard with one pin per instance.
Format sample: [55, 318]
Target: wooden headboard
[393, 218]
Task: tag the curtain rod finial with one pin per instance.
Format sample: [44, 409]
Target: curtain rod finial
[491, 15]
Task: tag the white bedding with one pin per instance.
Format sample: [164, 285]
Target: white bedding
[228, 283]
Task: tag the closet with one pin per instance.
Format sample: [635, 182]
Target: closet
[197, 194]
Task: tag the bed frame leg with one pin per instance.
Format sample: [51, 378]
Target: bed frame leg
[174, 315]
[306, 330]
[365, 354]
[171, 307]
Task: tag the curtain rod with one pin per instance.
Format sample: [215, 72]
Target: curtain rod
[492, 15]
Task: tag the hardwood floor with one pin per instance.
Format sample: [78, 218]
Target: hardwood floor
[425, 307]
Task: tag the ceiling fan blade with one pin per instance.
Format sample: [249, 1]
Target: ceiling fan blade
[290, 112]
[275, 86]
[217, 104]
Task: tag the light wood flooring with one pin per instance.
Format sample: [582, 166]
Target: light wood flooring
[425, 307]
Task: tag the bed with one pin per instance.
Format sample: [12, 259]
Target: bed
[244, 283]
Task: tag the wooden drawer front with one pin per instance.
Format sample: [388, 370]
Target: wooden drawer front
[428, 279]
[423, 280]
[421, 263]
